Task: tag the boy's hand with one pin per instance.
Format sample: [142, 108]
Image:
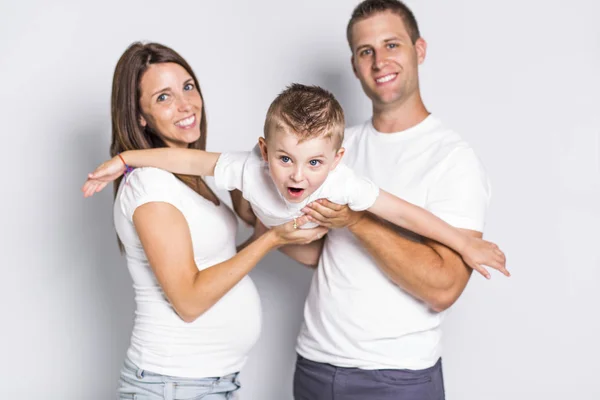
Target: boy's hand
[479, 252]
[105, 173]
[331, 215]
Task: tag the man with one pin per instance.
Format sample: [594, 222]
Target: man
[372, 317]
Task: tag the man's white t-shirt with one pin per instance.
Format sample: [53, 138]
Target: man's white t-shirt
[354, 315]
[216, 343]
[249, 173]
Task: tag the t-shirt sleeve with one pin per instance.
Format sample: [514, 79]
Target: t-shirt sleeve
[461, 193]
[360, 192]
[229, 170]
[146, 185]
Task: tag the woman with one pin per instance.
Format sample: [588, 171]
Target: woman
[197, 311]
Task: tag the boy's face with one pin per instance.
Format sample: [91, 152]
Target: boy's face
[298, 169]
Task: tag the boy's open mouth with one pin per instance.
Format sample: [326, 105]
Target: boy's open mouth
[295, 192]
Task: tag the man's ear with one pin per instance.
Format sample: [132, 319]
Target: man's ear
[338, 157]
[262, 144]
[421, 49]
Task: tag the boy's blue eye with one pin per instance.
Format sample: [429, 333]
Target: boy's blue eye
[285, 159]
[314, 163]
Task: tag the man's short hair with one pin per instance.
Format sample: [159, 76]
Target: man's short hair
[307, 112]
[369, 8]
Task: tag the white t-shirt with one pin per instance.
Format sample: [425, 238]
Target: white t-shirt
[354, 315]
[249, 173]
[216, 343]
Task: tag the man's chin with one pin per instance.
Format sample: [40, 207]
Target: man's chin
[386, 98]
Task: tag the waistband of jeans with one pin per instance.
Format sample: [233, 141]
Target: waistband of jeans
[153, 376]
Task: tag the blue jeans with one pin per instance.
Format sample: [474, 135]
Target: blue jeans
[138, 384]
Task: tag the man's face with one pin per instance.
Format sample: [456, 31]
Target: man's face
[298, 168]
[385, 60]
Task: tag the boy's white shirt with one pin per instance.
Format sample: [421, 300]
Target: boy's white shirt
[249, 173]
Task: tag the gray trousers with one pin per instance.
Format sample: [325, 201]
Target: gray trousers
[317, 381]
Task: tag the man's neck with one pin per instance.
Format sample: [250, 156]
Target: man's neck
[399, 117]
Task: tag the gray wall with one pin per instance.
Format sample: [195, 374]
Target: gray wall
[519, 80]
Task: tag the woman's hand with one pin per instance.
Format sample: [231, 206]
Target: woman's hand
[105, 173]
[290, 232]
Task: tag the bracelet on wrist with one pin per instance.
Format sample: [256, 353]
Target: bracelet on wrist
[128, 169]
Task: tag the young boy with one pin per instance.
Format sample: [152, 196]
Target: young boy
[297, 162]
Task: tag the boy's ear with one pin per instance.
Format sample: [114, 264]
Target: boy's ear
[262, 144]
[338, 157]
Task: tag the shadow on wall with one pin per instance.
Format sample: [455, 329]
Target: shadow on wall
[107, 304]
[340, 80]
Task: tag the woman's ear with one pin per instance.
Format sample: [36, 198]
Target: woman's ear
[143, 122]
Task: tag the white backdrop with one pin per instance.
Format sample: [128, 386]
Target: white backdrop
[518, 79]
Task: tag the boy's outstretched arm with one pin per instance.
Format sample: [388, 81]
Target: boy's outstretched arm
[475, 251]
[178, 161]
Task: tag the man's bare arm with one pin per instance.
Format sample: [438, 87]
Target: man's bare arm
[307, 254]
[242, 207]
[429, 271]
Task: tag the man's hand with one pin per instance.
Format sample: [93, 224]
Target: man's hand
[331, 215]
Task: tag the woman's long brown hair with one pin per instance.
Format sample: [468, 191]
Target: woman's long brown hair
[127, 132]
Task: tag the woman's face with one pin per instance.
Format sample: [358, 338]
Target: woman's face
[171, 104]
